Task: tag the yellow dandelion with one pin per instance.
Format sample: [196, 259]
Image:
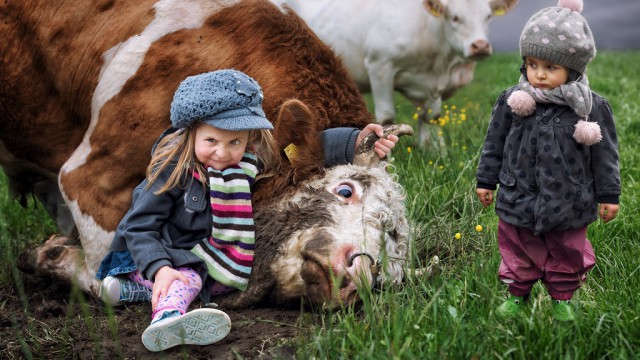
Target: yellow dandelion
[463, 117]
[458, 236]
[440, 133]
[453, 107]
[464, 147]
[478, 228]
[419, 108]
[441, 167]
[409, 149]
[429, 111]
[430, 162]
[415, 116]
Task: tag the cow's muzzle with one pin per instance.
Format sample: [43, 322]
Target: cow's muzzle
[374, 268]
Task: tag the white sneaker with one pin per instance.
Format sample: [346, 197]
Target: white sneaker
[197, 327]
[116, 291]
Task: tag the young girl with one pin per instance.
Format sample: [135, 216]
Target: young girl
[552, 147]
[190, 228]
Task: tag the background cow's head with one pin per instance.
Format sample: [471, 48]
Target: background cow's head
[466, 23]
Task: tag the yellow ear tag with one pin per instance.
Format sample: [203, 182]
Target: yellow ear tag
[434, 12]
[499, 12]
[291, 151]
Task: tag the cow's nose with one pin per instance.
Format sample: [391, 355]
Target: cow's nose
[358, 267]
[480, 48]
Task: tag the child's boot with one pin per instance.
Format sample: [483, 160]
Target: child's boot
[562, 310]
[512, 307]
[197, 327]
[117, 291]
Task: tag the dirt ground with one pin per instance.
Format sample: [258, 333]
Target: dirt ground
[46, 318]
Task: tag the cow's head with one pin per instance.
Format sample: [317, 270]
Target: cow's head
[466, 23]
[339, 229]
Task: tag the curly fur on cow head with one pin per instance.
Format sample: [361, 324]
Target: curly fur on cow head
[306, 240]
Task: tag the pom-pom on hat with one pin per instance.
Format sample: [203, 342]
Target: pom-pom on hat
[560, 35]
[225, 99]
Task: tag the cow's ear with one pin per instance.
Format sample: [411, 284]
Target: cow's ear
[501, 7]
[366, 156]
[435, 7]
[294, 125]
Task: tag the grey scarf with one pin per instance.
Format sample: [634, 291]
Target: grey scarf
[575, 94]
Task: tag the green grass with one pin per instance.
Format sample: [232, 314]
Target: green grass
[19, 228]
[451, 313]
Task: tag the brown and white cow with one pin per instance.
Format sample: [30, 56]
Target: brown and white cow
[85, 91]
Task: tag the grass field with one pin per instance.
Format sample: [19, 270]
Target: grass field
[451, 313]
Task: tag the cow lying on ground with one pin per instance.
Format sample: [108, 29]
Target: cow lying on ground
[86, 89]
[425, 49]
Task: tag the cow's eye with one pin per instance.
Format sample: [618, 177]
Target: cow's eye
[344, 190]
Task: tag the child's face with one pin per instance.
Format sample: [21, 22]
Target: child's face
[219, 148]
[545, 75]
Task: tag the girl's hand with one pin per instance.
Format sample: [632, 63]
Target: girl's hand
[163, 279]
[383, 145]
[485, 196]
[608, 212]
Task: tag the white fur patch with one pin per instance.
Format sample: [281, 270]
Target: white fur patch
[96, 247]
[122, 61]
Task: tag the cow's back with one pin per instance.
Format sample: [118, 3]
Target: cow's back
[72, 82]
[49, 64]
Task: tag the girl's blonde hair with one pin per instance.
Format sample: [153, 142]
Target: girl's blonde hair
[179, 148]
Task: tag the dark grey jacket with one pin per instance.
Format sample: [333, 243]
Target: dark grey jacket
[162, 229]
[547, 180]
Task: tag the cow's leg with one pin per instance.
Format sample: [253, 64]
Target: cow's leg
[431, 111]
[48, 193]
[97, 200]
[59, 257]
[381, 75]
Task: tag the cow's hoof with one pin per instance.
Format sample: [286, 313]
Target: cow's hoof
[27, 260]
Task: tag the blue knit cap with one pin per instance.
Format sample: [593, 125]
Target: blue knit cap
[225, 99]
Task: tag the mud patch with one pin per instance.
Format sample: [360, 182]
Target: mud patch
[45, 318]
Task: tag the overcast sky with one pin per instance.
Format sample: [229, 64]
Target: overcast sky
[615, 23]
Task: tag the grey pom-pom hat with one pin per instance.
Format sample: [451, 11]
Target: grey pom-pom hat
[560, 35]
[225, 99]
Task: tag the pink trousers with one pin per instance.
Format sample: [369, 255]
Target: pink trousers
[561, 259]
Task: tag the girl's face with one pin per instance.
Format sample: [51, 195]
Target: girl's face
[545, 75]
[219, 148]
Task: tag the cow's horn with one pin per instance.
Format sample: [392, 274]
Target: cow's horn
[366, 156]
[430, 269]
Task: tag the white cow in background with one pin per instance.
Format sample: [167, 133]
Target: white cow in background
[425, 49]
